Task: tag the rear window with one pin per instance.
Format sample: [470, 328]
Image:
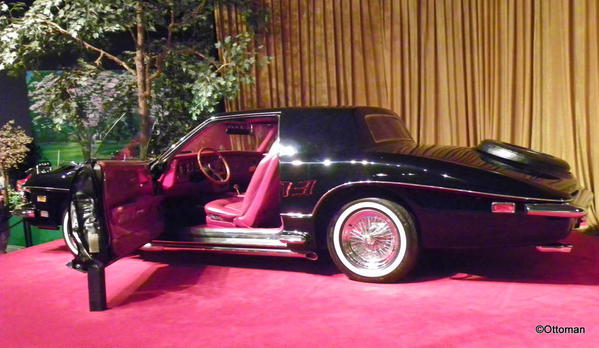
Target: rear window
[385, 128]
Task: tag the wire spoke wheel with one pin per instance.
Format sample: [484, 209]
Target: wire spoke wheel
[369, 239]
[68, 228]
[373, 240]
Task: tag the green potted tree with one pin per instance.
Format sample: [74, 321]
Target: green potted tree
[13, 150]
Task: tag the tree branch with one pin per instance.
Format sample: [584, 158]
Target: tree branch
[171, 26]
[196, 11]
[165, 51]
[221, 67]
[88, 46]
[159, 68]
[192, 52]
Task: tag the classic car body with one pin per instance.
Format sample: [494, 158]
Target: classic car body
[350, 180]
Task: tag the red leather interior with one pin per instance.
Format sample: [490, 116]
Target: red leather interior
[268, 140]
[259, 205]
[133, 212]
[176, 181]
[222, 212]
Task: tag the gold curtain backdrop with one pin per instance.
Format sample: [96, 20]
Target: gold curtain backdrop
[458, 71]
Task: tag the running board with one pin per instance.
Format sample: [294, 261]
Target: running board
[167, 245]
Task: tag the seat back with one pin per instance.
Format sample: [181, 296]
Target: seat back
[261, 200]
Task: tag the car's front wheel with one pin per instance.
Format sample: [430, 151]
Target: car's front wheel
[67, 229]
[373, 240]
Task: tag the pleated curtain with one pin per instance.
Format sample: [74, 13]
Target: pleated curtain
[458, 71]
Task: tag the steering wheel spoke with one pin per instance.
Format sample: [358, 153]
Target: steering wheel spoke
[215, 169]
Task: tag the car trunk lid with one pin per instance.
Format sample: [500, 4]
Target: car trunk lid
[563, 183]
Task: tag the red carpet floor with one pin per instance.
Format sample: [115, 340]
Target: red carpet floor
[174, 299]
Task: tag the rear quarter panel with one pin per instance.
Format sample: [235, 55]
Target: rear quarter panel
[451, 203]
[55, 187]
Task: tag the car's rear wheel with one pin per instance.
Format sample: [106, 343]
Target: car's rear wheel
[67, 229]
[373, 240]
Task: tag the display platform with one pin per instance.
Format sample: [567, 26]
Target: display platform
[185, 299]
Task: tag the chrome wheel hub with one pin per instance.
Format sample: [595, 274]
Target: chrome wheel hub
[70, 226]
[369, 239]
[74, 220]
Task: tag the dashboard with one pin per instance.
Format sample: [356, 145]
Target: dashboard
[184, 177]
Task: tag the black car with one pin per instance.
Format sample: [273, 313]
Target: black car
[302, 181]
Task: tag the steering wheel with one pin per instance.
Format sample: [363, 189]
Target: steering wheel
[216, 170]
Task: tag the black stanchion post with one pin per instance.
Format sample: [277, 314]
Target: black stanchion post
[27, 232]
[96, 287]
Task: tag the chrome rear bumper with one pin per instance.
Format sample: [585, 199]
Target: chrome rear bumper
[27, 211]
[555, 210]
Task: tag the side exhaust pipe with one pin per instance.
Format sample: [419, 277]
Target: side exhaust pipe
[555, 248]
[311, 256]
[174, 245]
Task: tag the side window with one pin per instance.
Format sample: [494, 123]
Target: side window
[259, 138]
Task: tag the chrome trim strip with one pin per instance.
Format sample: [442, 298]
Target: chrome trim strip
[220, 231]
[555, 210]
[294, 237]
[254, 242]
[166, 245]
[47, 188]
[487, 194]
[265, 237]
[555, 248]
[25, 213]
[297, 215]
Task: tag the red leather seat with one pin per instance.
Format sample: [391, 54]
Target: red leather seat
[259, 205]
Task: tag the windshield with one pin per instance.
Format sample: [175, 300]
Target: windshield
[255, 135]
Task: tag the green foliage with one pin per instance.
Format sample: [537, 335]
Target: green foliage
[13, 145]
[13, 151]
[27, 34]
[171, 58]
[189, 90]
[16, 200]
[87, 104]
[237, 64]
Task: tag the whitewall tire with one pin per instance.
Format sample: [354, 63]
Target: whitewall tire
[373, 240]
[66, 229]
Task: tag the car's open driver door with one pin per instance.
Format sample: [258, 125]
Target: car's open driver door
[117, 211]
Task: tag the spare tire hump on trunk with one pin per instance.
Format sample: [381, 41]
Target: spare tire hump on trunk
[521, 156]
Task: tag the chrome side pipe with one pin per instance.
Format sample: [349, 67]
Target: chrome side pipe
[310, 255]
[555, 248]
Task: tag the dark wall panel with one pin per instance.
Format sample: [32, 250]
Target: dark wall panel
[14, 104]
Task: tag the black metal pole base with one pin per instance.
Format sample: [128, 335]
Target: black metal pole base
[96, 287]
[27, 232]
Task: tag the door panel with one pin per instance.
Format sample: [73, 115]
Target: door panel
[132, 211]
